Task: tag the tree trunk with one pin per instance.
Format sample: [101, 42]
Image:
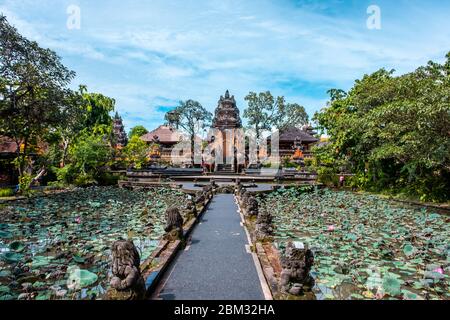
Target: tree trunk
[39, 175]
[192, 149]
[64, 156]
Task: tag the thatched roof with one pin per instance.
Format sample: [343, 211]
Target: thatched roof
[165, 134]
[293, 133]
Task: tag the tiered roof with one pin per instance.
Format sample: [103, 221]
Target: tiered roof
[227, 113]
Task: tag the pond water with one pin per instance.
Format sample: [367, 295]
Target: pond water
[58, 247]
[365, 247]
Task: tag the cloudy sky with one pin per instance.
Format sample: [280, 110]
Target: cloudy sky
[148, 55]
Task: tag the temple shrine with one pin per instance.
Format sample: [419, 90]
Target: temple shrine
[227, 149]
[227, 123]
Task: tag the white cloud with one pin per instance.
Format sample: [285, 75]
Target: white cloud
[139, 52]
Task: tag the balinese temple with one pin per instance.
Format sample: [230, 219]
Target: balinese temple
[227, 121]
[166, 137]
[8, 152]
[120, 136]
[296, 143]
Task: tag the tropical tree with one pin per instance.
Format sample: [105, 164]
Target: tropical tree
[289, 115]
[136, 152]
[393, 131]
[33, 87]
[191, 117]
[260, 111]
[264, 112]
[89, 157]
[137, 131]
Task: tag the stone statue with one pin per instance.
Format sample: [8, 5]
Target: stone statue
[200, 198]
[263, 228]
[296, 263]
[208, 191]
[243, 197]
[174, 224]
[191, 209]
[251, 207]
[127, 282]
[238, 187]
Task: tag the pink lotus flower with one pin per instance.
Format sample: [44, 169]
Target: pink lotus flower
[331, 228]
[379, 295]
[439, 270]
[78, 220]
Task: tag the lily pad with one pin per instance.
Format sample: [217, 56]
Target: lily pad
[17, 246]
[409, 250]
[5, 234]
[11, 257]
[392, 285]
[41, 261]
[78, 259]
[4, 289]
[80, 278]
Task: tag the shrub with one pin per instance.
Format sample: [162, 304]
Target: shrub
[6, 192]
[25, 184]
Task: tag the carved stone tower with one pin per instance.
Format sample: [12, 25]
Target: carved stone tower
[120, 136]
[227, 120]
[227, 113]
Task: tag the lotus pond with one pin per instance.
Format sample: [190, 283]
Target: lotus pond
[365, 247]
[58, 247]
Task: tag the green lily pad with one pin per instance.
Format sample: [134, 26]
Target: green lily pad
[392, 285]
[11, 257]
[44, 296]
[409, 250]
[408, 295]
[5, 234]
[4, 289]
[78, 259]
[41, 261]
[80, 278]
[17, 246]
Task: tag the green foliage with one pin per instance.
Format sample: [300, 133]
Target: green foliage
[6, 192]
[264, 111]
[136, 152]
[37, 107]
[33, 87]
[25, 181]
[137, 131]
[392, 132]
[190, 116]
[88, 157]
[286, 163]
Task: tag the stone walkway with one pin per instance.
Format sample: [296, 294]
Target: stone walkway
[215, 264]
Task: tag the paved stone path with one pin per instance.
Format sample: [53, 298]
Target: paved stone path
[215, 264]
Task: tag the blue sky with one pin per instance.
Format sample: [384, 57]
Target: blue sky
[148, 55]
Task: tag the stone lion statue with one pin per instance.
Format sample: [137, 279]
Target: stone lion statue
[127, 279]
[174, 224]
[251, 206]
[263, 228]
[191, 209]
[296, 264]
[200, 198]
